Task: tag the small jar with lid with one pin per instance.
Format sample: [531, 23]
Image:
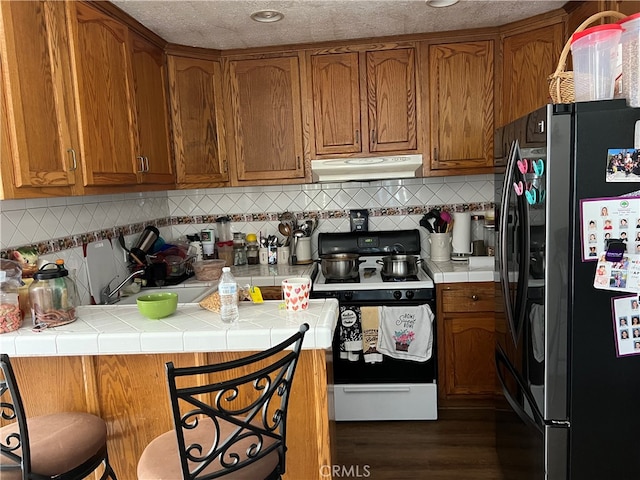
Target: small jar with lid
[53, 296]
[10, 281]
[252, 249]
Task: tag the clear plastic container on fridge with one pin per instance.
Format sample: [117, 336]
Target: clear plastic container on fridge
[630, 41]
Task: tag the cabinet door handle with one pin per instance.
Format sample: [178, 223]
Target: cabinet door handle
[224, 167]
[141, 160]
[146, 164]
[299, 165]
[373, 137]
[475, 298]
[357, 137]
[74, 160]
[435, 154]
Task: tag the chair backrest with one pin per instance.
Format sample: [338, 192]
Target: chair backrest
[241, 404]
[15, 445]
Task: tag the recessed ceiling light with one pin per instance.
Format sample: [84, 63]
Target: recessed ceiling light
[267, 16]
[441, 3]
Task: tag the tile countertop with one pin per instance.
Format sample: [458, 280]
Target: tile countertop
[476, 269]
[121, 329]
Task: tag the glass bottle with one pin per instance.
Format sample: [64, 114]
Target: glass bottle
[10, 281]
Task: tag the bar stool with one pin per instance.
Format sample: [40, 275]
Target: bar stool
[60, 446]
[229, 418]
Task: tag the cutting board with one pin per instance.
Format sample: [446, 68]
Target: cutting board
[101, 266]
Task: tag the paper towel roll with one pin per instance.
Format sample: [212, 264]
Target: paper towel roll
[461, 238]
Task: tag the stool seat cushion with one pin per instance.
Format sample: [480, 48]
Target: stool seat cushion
[59, 442]
[161, 459]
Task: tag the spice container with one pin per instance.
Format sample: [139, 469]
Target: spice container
[53, 296]
[630, 41]
[10, 281]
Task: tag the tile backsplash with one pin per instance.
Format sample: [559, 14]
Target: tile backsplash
[59, 226]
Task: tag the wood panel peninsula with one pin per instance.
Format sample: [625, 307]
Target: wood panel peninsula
[111, 362]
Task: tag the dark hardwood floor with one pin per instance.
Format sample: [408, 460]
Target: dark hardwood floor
[460, 445]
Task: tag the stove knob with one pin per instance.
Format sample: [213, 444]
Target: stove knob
[397, 294]
[409, 294]
[348, 296]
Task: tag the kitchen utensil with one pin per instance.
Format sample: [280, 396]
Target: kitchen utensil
[296, 234]
[399, 266]
[145, 243]
[340, 266]
[284, 229]
[132, 255]
[101, 267]
[157, 305]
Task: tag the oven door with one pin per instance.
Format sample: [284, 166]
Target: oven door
[392, 389]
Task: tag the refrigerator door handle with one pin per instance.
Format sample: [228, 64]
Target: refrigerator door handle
[514, 314]
[537, 422]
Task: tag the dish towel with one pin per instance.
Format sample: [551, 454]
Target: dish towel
[370, 324]
[406, 332]
[536, 317]
[350, 333]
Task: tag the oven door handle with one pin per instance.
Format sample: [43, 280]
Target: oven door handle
[375, 388]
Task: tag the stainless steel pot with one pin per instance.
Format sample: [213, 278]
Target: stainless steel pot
[400, 266]
[340, 266]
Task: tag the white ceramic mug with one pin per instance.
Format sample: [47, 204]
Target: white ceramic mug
[440, 246]
[296, 293]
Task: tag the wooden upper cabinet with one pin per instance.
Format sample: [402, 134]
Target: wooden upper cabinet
[195, 87]
[150, 87]
[461, 105]
[39, 119]
[266, 118]
[103, 70]
[528, 60]
[364, 101]
[391, 100]
[336, 103]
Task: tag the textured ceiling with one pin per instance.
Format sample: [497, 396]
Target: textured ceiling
[225, 24]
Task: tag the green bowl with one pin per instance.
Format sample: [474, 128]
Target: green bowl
[157, 305]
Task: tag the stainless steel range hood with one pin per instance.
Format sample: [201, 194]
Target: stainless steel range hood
[366, 169]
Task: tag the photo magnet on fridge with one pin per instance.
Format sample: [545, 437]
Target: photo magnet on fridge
[623, 165]
[626, 325]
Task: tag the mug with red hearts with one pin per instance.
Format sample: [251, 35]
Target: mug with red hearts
[296, 293]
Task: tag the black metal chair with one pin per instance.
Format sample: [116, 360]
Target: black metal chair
[230, 418]
[59, 446]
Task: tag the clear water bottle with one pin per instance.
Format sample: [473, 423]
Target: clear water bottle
[228, 290]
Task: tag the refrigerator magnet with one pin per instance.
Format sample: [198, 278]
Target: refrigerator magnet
[609, 218]
[626, 325]
[623, 165]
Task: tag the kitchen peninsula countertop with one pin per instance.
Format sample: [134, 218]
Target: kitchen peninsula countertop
[121, 329]
[476, 269]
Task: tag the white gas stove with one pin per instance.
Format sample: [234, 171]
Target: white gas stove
[392, 388]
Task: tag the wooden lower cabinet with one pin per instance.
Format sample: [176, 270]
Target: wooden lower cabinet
[466, 342]
[130, 393]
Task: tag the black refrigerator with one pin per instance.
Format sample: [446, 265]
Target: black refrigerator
[570, 408]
